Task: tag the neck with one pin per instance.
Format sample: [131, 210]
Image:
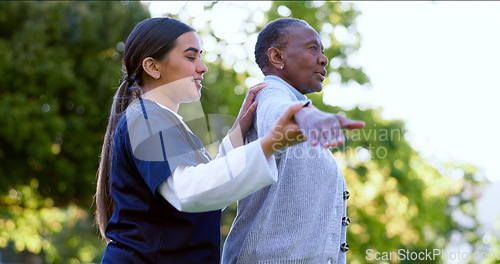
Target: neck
[160, 95]
[277, 73]
[272, 71]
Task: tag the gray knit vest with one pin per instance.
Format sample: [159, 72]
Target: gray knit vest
[298, 219]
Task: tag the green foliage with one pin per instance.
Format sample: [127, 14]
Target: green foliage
[60, 65]
[32, 222]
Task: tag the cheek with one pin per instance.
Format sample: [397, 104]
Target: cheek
[181, 70]
[304, 73]
[306, 63]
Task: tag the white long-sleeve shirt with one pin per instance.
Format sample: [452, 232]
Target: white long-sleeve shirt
[233, 175]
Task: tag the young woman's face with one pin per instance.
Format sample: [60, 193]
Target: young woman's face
[183, 63]
[304, 61]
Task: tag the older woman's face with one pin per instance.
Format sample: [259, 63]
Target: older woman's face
[304, 61]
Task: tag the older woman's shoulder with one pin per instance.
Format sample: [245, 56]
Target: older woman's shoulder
[275, 89]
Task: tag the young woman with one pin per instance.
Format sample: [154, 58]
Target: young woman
[159, 193]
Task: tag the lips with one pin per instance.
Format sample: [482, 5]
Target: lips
[322, 74]
[198, 82]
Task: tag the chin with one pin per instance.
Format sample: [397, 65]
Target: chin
[194, 94]
[189, 98]
[315, 89]
[192, 99]
[196, 97]
[319, 87]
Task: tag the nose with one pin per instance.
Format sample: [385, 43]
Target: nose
[202, 68]
[323, 60]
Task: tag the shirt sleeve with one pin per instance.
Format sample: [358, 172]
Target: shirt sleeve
[273, 103]
[221, 182]
[225, 147]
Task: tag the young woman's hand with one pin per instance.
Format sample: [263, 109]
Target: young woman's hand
[244, 120]
[285, 133]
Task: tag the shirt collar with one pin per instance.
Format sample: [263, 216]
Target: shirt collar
[297, 94]
[164, 107]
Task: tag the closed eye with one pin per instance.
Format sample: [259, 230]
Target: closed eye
[193, 52]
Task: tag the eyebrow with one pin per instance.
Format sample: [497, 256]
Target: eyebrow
[193, 49]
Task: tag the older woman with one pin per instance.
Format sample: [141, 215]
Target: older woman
[302, 217]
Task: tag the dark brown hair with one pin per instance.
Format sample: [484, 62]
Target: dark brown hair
[154, 38]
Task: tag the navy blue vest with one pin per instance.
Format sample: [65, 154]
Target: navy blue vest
[149, 143]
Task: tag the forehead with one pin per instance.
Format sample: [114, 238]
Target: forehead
[301, 35]
[188, 40]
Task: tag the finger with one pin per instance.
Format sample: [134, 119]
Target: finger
[325, 135]
[251, 95]
[349, 123]
[333, 142]
[339, 135]
[331, 137]
[254, 89]
[245, 106]
[337, 130]
[313, 137]
[334, 131]
[257, 87]
[314, 140]
[355, 124]
[251, 110]
[340, 138]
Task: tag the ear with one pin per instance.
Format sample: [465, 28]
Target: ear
[275, 57]
[151, 67]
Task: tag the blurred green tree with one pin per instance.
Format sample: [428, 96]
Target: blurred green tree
[60, 63]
